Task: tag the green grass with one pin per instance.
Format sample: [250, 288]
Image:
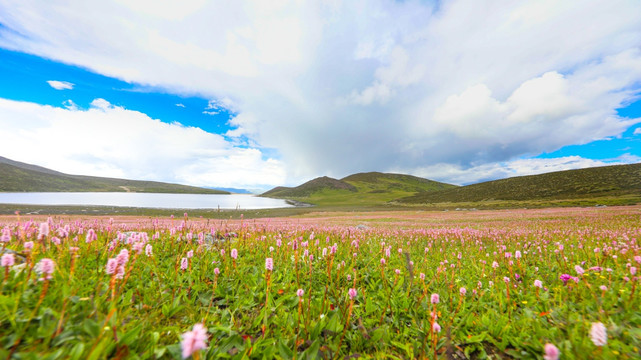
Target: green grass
[584, 185]
[363, 189]
[484, 311]
[20, 177]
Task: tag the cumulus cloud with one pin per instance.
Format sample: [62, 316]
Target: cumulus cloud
[100, 141]
[60, 85]
[343, 86]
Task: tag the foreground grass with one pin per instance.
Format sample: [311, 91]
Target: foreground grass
[181, 271]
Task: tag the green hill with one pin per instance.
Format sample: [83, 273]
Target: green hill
[373, 188]
[608, 184]
[20, 177]
[310, 188]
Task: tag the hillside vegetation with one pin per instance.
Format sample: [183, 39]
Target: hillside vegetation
[373, 188]
[20, 177]
[607, 182]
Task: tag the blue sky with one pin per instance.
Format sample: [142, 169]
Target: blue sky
[258, 95]
[32, 73]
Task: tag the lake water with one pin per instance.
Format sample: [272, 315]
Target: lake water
[145, 200]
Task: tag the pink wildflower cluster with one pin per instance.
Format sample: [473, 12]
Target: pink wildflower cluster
[193, 340]
[7, 260]
[45, 268]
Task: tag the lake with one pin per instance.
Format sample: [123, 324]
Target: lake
[144, 200]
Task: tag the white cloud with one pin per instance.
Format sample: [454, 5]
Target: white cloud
[60, 85]
[100, 141]
[637, 131]
[70, 105]
[345, 86]
[180, 105]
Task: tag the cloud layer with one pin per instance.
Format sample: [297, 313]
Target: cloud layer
[344, 86]
[107, 140]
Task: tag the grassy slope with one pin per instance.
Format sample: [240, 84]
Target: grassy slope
[18, 177]
[363, 189]
[608, 185]
[310, 188]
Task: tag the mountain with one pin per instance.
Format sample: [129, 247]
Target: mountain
[309, 188]
[372, 188]
[16, 176]
[616, 181]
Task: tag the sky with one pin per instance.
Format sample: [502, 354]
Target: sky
[256, 94]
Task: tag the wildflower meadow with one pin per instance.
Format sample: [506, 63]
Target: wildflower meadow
[530, 284]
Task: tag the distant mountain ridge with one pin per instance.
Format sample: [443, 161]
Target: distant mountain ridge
[604, 181]
[16, 176]
[363, 188]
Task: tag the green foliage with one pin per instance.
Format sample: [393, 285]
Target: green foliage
[19, 177]
[363, 189]
[607, 182]
[85, 313]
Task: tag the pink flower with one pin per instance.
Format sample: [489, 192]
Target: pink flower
[194, 340]
[28, 245]
[216, 271]
[43, 231]
[120, 272]
[234, 254]
[300, 292]
[138, 247]
[45, 268]
[148, 250]
[579, 270]
[123, 257]
[269, 264]
[598, 334]
[352, 293]
[538, 284]
[91, 236]
[565, 278]
[551, 352]
[434, 299]
[397, 271]
[462, 291]
[190, 254]
[7, 260]
[436, 327]
[6, 235]
[421, 276]
[184, 264]
[382, 261]
[633, 270]
[112, 265]
[603, 288]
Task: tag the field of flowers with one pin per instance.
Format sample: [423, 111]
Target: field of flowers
[400, 285]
